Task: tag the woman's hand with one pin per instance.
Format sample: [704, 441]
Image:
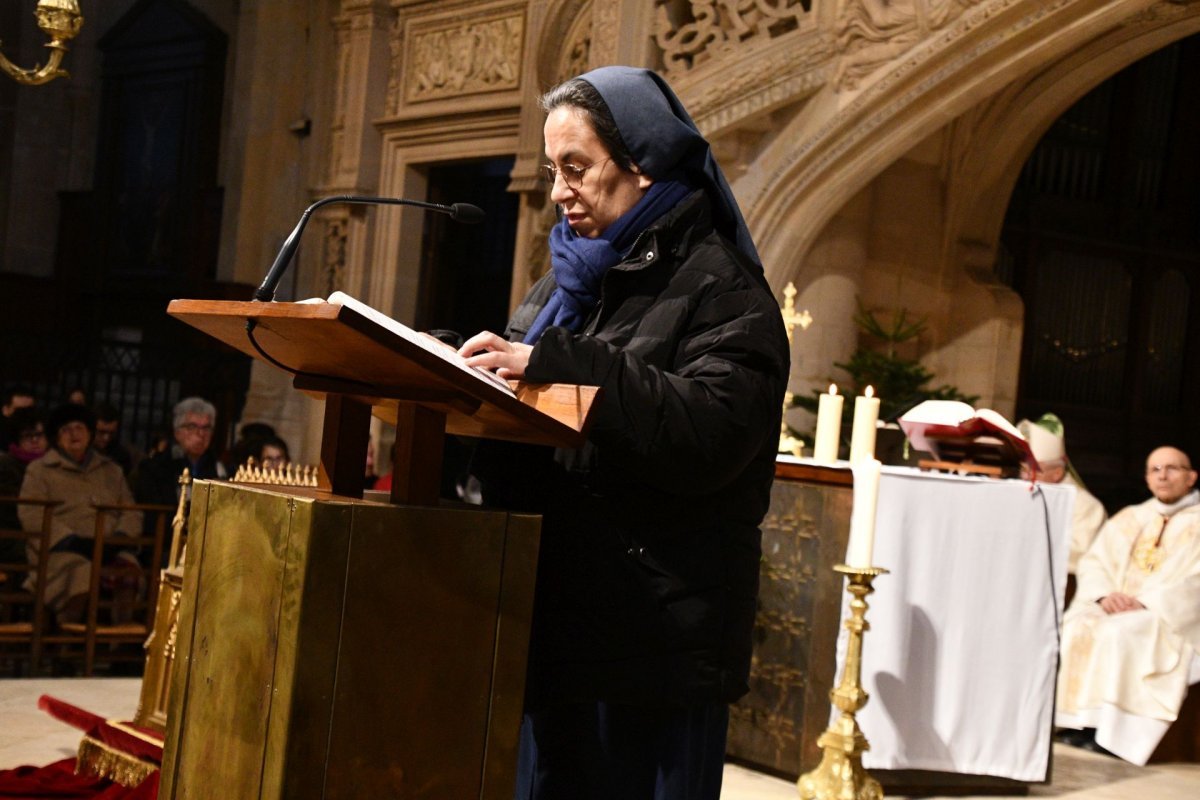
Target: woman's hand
[508, 359]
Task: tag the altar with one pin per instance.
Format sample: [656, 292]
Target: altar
[961, 657]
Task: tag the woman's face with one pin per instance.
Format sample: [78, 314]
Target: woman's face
[273, 457]
[73, 439]
[604, 191]
[32, 440]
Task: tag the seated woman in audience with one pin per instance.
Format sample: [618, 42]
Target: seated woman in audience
[79, 477]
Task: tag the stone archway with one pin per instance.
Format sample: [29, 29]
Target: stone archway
[948, 128]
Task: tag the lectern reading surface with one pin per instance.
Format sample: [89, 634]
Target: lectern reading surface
[338, 351]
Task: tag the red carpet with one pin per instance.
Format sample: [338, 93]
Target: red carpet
[59, 779]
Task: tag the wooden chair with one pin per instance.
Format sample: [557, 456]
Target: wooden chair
[96, 629]
[23, 621]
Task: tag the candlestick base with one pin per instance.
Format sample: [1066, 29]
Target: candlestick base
[840, 775]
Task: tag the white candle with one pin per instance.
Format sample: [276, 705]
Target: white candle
[829, 426]
[862, 514]
[862, 435]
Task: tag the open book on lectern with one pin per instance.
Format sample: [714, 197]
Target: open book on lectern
[423, 340]
[341, 346]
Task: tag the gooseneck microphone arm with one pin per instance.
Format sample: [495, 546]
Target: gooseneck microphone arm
[461, 212]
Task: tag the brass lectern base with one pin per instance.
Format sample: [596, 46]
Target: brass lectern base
[342, 649]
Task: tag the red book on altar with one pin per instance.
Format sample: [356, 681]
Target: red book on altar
[955, 432]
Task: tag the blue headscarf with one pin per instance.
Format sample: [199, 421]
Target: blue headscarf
[662, 139]
[579, 263]
[666, 145]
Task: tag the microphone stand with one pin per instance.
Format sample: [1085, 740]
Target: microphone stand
[461, 212]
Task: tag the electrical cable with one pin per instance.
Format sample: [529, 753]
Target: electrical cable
[252, 323]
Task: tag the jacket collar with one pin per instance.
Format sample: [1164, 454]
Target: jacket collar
[689, 221]
[54, 458]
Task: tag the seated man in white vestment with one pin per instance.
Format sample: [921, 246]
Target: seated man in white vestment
[1131, 634]
[1046, 440]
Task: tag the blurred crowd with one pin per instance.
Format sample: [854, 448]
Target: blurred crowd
[74, 454]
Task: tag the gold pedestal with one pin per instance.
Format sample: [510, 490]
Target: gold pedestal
[840, 775]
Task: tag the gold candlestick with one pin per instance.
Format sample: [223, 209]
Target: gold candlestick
[787, 442]
[840, 775]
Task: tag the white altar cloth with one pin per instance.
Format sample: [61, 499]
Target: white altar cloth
[961, 658]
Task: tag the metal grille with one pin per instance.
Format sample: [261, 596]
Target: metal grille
[1164, 343]
[143, 381]
[1080, 330]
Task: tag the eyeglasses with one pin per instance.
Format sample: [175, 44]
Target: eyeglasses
[571, 174]
[192, 427]
[1168, 469]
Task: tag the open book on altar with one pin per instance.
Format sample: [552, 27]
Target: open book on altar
[954, 431]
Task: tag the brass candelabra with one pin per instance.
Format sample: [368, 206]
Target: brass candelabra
[61, 21]
[840, 775]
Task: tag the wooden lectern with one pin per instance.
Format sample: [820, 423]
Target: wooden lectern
[339, 648]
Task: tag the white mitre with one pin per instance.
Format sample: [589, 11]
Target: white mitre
[1045, 438]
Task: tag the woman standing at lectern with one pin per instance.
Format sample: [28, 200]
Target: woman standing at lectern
[648, 571]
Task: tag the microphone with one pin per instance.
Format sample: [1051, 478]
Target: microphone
[460, 212]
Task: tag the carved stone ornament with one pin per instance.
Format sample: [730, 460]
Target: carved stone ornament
[450, 57]
[539, 242]
[1168, 11]
[689, 33]
[333, 261]
[782, 75]
[606, 32]
[576, 56]
[874, 32]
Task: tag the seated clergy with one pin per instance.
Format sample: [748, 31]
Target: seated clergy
[1132, 632]
[1045, 437]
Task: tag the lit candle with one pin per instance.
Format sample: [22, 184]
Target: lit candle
[829, 425]
[862, 435]
[862, 514]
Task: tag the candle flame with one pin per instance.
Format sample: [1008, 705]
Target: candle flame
[870, 392]
[833, 388]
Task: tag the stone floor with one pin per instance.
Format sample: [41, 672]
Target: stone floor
[29, 736]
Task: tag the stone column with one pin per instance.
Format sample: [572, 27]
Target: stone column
[828, 284]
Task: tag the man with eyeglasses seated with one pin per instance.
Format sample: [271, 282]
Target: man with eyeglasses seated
[156, 479]
[1131, 635]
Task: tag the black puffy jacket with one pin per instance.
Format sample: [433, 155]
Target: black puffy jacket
[648, 572]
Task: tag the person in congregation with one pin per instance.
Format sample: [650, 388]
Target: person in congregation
[156, 479]
[1131, 636]
[15, 396]
[73, 473]
[1047, 441]
[29, 444]
[271, 453]
[250, 438]
[648, 570]
[108, 437]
